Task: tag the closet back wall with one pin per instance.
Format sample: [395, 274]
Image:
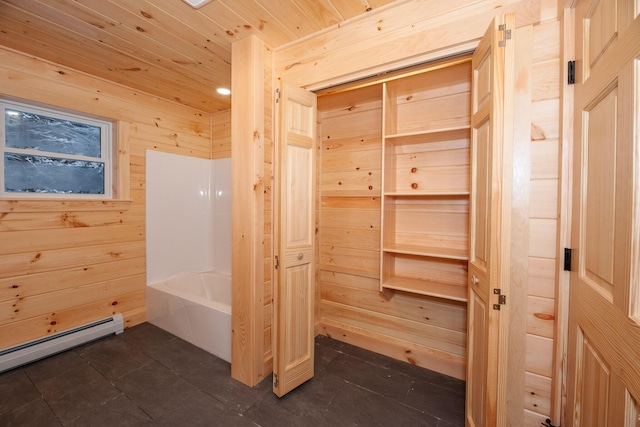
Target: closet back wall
[64, 263]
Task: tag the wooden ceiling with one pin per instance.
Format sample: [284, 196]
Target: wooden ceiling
[163, 47]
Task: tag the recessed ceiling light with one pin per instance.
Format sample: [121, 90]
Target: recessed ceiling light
[223, 91]
[197, 3]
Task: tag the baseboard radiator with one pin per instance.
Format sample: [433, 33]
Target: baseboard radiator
[22, 354]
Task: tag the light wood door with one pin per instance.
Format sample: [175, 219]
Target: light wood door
[491, 141]
[604, 333]
[293, 327]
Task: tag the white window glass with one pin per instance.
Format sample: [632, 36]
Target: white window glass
[49, 153]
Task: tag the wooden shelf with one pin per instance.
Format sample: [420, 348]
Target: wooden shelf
[435, 134]
[427, 287]
[443, 193]
[434, 252]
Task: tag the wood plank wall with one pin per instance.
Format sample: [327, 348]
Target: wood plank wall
[543, 219]
[63, 264]
[340, 54]
[221, 135]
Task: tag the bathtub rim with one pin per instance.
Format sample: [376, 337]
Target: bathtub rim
[163, 286]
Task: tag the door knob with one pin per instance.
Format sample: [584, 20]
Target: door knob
[300, 256]
[474, 280]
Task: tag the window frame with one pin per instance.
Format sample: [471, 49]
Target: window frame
[107, 149]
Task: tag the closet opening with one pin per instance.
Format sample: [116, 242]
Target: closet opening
[393, 185]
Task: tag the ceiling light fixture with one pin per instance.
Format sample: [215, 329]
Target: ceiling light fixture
[223, 91]
[197, 4]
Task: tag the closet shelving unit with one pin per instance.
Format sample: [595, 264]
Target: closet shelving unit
[425, 182]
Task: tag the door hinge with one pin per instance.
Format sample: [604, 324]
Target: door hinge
[571, 72]
[506, 35]
[275, 380]
[277, 264]
[567, 259]
[277, 96]
[502, 299]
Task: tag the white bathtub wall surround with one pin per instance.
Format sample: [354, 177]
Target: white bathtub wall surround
[195, 307]
[179, 225]
[188, 213]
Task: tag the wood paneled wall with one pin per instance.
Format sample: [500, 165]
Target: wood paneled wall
[221, 135]
[350, 309]
[543, 220]
[65, 263]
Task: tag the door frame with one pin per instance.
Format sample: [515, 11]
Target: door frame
[565, 197]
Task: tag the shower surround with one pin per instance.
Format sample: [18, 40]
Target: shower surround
[188, 213]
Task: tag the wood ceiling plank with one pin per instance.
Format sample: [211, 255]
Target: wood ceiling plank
[208, 62]
[40, 32]
[263, 24]
[47, 45]
[349, 8]
[321, 12]
[378, 3]
[81, 22]
[218, 41]
[164, 47]
[175, 23]
[149, 36]
[290, 15]
[233, 26]
[71, 89]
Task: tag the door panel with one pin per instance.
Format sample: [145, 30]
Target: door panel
[594, 383]
[604, 336]
[299, 206]
[476, 370]
[598, 226]
[294, 228]
[493, 66]
[481, 212]
[601, 29]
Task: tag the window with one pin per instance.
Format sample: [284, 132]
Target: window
[52, 153]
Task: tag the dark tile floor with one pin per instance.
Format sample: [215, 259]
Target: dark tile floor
[146, 376]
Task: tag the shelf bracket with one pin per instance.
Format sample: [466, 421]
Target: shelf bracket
[387, 293]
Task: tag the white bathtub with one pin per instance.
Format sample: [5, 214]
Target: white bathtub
[195, 307]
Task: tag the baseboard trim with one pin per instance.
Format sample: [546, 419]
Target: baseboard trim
[435, 360]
